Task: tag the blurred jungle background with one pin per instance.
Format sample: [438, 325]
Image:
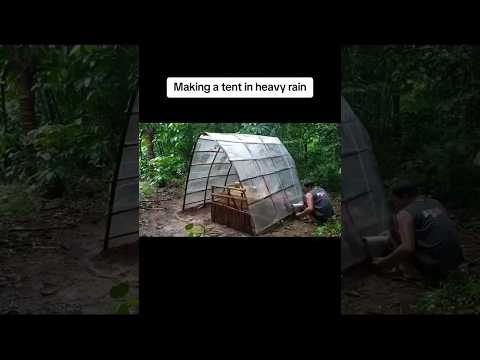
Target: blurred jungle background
[166, 150]
[62, 111]
[421, 107]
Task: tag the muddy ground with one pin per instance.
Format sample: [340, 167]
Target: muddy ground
[364, 292]
[161, 215]
[51, 261]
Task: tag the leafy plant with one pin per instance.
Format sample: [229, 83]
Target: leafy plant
[195, 230]
[459, 294]
[123, 304]
[332, 227]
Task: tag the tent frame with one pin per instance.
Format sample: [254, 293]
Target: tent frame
[113, 188]
[262, 176]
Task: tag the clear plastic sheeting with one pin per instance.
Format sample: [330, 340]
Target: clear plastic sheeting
[261, 164]
[122, 220]
[364, 209]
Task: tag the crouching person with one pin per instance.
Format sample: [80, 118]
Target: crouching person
[316, 203]
[427, 238]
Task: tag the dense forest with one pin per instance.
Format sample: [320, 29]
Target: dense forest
[62, 112]
[421, 107]
[166, 149]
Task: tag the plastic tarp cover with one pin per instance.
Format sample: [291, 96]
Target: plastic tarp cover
[364, 209]
[261, 164]
[123, 215]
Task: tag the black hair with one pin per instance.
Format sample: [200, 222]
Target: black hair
[405, 189]
[308, 183]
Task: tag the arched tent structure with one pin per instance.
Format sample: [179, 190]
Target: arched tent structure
[364, 209]
[122, 220]
[262, 166]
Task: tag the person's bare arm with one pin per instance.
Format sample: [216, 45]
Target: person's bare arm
[407, 244]
[309, 207]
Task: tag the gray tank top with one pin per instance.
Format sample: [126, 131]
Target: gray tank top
[321, 201]
[436, 239]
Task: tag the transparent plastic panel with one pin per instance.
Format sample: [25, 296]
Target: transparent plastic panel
[282, 205]
[217, 181]
[296, 180]
[232, 179]
[363, 215]
[294, 194]
[266, 166]
[256, 189]
[235, 151]
[258, 151]
[135, 104]
[283, 150]
[286, 178]
[129, 162]
[221, 158]
[196, 185]
[198, 196]
[263, 214]
[124, 223]
[203, 157]
[273, 182]
[132, 131]
[206, 145]
[289, 160]
[246, 169]
[219, 169]
[198, 171]
[248, 138]
[126, 195]
[269, 140]
[224, 137]
[275, 149]
[353, 177]
[280, 163]
[233, 171]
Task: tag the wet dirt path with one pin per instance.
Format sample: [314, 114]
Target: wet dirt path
[160, 216]
[61, 270]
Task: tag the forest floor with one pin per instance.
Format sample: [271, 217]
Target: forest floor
[51, 260]
[364, 292]
[161, 216]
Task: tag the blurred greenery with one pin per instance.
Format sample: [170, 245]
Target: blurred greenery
[62, 113]
[458, 294]
[315, 148]
[420, 105]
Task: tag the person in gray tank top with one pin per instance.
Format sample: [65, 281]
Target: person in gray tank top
[426, 235]
[316, 202]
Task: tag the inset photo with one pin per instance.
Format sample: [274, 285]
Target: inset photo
[239, 179]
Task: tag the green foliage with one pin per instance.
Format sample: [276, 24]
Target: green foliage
[146, 189]
[419, 104]
[331, 228]
[79, 94]
[195, 230]
[161, 169]
[124, 305]
[459, 294]
[16, 201]
[314, 147]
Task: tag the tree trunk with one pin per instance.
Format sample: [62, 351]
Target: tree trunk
[148, 138]
[3, 79]
[24, 66]
[25, 82]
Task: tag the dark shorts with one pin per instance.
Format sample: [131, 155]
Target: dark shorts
[320, 217]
